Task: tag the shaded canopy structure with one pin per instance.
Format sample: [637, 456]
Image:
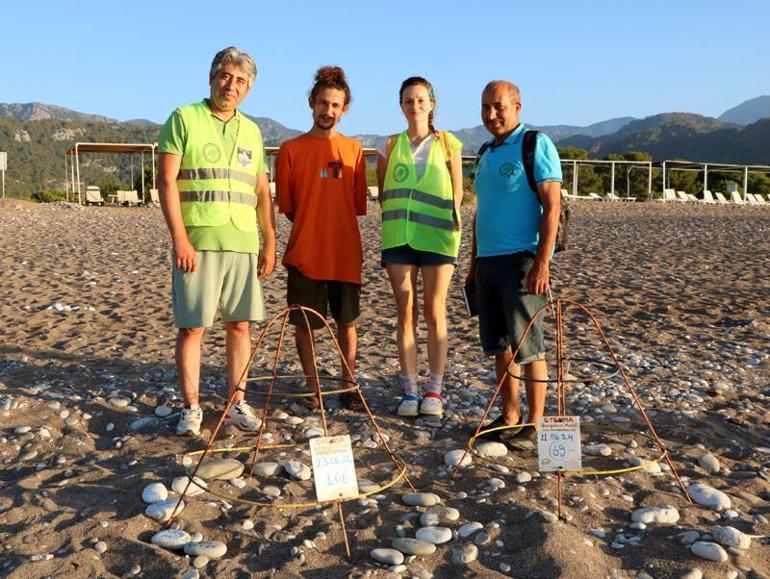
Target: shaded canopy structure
[669, 166]
[72, 172]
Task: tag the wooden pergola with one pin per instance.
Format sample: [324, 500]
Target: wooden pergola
[72, 173]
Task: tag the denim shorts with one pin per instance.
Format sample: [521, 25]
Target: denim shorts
[407, 255]
[506, 307]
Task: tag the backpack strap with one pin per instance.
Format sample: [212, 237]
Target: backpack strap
[482, 150]
[528, 158]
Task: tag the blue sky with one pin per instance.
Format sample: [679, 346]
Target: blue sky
[575, 62]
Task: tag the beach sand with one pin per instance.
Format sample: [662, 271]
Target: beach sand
[86, 357]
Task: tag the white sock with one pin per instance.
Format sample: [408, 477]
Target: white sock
[434, 382]
[410, 383]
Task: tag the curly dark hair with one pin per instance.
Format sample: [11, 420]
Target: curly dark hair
[331, 77]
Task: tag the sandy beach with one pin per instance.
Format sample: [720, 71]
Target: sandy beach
[89, 403]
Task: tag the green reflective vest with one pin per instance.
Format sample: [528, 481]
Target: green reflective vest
[214, 189]
[419, 213]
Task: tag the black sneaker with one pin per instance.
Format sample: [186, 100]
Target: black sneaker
[525, 440]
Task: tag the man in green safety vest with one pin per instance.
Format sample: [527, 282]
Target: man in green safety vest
[215, 196]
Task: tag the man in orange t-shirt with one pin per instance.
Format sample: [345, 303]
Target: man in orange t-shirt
[321, 188]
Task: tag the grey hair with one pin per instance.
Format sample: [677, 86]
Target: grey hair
[236, 56]
[513, 90]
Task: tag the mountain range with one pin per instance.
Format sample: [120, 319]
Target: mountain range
[35, 136]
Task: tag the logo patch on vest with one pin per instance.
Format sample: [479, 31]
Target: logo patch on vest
[400, 173]
[212, 153]
[507, 170]
[244, 157]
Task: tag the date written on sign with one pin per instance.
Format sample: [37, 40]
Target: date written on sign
[334, 472]
[558, 443]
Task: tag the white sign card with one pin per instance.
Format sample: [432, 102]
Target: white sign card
[333, 468]
[558, 443]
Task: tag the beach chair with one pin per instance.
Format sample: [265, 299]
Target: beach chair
[127, 198]
[94, 196]
[611, 197]
[154, 197]
[692, 198]
[668, 195]
[682, 197]
[373, 192]
[594, 197]
[721, 199]
[735, 197]
[272, 189]
[760, 199]
[707, 197]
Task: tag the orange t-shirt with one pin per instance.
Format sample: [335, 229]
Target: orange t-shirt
[321, 186]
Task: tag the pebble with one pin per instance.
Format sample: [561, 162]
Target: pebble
[119, 401]
[420, 499]
[267, 469]
[178, 485]
[657, 515]
[523, 477]
[161, 511]
[272, 491]
[465, 554]
[439, 514]
[453, 457]
[210, 549]
[732, 537]
[222, 469]
[693, 574]
[468, 529]
[387, 556]
[298, 470]
[171, 538]
[689, 537]
[709, 497]
[710, 551]
[154, 492]
[709, 463]
[200, 561]
[191, 574]
[410, 546]
[163, 411]
[314, 432]
[597, 449]
[648, 466]
[100, 547]
[491, 449]
[435, 535]
[247, 525]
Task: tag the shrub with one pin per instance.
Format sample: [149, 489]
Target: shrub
[48, 196]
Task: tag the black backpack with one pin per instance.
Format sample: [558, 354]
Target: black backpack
[528, 158]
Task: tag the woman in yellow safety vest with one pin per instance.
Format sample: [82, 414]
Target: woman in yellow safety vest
[419, 173]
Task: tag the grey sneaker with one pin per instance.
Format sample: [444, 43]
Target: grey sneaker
[242, 416]
[190, 422]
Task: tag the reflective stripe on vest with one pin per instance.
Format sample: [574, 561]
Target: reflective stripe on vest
[218, 196]
[217, 186]
[419, 213]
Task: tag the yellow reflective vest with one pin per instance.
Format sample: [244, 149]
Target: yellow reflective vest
[419, 213]
[214, 189]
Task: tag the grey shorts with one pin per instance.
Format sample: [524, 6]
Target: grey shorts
[506, 307]
[339, 297]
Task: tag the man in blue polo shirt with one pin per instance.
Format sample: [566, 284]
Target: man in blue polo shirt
[513, 241]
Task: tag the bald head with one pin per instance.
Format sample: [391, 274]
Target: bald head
[504, 85]
[500, 106]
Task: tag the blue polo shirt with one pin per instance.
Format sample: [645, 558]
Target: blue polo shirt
[508, 212]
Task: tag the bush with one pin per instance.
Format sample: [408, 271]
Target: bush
[48, 196]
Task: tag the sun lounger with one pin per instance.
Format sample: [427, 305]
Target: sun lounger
[594, 197]
[668, 196]
[682, 196]
[373, 192]
[127, 198]
[94, 196]
[735, 197]
[721, 198]
[567, 195]
[154, 197]
[760, 199]
[707, 197]
[692, 198]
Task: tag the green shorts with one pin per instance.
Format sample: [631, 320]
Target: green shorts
[223, 280]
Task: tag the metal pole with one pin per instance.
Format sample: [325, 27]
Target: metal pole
[574, 178]
[663, 189]
[72, 179]
[77, 163]
[612, 178]
[628, 181]
[144, 199]
[3, 172]
[705, 176]
[66, 185]
[745, 182]
[649, 180]
[154, 186]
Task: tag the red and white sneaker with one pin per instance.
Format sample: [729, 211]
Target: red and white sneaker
[242, 416]
[432, 404]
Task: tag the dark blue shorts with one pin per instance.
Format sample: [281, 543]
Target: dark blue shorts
[407, 255]
[506, 307]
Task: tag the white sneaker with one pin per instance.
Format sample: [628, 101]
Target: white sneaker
[190, 422]
[432, 404]
[242, 416]
[410, 406]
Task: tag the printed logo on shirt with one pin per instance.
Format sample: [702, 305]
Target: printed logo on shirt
[335, 169]
[244, 157]
[212, 153]
[400, 173]
[507, 170]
